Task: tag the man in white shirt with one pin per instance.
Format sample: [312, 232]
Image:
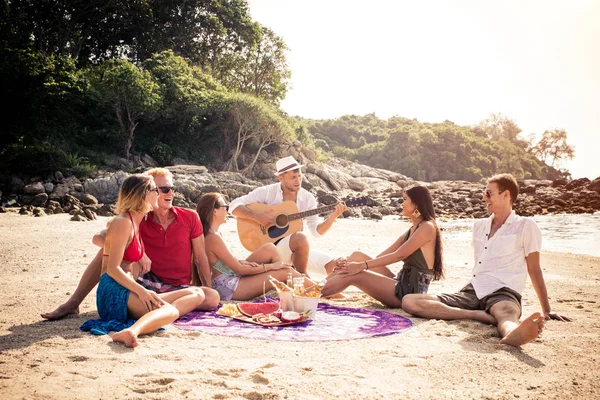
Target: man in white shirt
[294, 248]
[507, 249]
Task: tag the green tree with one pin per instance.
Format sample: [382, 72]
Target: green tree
[261, 69]
[248, 119]
[130, 93]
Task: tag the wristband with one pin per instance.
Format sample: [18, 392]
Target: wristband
[367, 264]
[265, 267]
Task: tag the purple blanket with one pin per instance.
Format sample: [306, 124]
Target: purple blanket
[331, 323]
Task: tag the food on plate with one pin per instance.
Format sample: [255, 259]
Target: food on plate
[251, 309]
[291, 316]
[228, 310]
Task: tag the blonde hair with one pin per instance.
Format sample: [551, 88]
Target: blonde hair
[132, 195]
[159, 172]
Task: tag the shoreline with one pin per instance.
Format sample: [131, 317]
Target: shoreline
[42, 259]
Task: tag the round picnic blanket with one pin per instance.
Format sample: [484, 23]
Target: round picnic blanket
[331, 323]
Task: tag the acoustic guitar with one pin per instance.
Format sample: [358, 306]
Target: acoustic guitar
[287, 221]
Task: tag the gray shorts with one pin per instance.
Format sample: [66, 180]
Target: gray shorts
[226, 285]
[468, 300]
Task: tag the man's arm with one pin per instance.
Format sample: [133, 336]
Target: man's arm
[239, 209]
[264, 218]
[324, 226]
[201, 261]
[539, 285]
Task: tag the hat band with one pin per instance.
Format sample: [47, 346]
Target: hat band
[287, 168]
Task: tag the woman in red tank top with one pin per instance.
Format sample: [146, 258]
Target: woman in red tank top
[119, 297]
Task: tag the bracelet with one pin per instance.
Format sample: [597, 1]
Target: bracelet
[265, 267]
[367, 264]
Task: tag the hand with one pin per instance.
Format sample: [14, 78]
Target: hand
[250, 264]
[278, 265]
[145, 264]
[150, 299]
[349, 268]
[551, 315]
[340, 207]
[265, 218]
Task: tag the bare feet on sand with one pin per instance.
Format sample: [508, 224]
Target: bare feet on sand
[528, 330]
[62, 311]
[127, 337]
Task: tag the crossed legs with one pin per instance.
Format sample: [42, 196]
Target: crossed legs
[176, 304]
[378, 286]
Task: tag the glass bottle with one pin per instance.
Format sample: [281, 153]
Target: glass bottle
[299, 286]
[315, 291]
[279, 286]
[290, 280]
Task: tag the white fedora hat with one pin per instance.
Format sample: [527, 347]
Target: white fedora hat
[286, 164]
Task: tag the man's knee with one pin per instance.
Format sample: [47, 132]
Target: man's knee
[299, 241]
[416, 303]
[505, 310]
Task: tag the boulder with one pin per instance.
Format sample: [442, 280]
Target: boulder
[39, 200]
[595, 185]
[34, 188]
[105, 189]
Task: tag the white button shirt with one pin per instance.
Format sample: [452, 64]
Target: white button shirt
[273, 194]
[500, 261]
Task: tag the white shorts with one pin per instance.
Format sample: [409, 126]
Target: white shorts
[316, 259]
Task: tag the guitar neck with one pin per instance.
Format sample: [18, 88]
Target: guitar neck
[308, 213]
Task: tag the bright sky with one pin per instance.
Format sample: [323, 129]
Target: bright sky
[536, 62]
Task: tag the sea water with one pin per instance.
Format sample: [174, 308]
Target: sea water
[564, 233]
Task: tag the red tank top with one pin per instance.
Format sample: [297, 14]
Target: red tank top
[135, 250]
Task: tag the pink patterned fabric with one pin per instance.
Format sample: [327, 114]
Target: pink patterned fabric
[331, 323]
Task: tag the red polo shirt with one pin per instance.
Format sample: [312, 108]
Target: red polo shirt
[171, 250]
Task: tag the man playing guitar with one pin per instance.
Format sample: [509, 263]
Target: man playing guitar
[294, 248]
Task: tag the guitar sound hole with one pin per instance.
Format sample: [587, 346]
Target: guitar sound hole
[281, 220]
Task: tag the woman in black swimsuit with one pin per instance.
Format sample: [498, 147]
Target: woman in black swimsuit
[420, 248]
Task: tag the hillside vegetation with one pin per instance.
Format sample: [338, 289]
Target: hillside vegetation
[90, 83]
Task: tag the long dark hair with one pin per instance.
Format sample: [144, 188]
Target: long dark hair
[421, 198]
[205, 207]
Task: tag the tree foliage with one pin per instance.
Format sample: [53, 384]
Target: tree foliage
[248, 120]
[553, 144]
[430, 152]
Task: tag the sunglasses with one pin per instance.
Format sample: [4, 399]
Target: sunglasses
[225, 206]
[153, 190]
[167, 189]
[489, 193]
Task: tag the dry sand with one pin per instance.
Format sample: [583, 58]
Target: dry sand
[41, 260]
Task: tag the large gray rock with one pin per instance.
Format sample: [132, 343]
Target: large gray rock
[34, 188]
[106, 188]
[39, 200]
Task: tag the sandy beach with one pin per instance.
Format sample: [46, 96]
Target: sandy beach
[42, 259]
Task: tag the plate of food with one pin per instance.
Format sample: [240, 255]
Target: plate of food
[265, 314]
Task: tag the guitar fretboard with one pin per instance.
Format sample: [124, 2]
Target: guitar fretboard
[308, 213]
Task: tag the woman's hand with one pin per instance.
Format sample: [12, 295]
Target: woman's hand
[349, 268]
[278, 265]
[250, 264]
[150, 299]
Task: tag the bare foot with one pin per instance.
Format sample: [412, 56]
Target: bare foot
[62, 311]
[127, 337]
[528, 330]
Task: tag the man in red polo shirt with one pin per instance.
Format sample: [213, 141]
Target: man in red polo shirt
[172, 238]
